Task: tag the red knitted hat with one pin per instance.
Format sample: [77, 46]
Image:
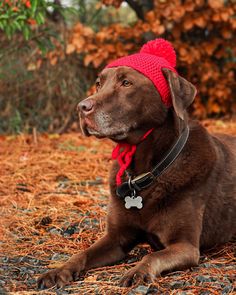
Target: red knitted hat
[153, 56]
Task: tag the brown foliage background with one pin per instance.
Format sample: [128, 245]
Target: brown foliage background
[203, 34]
[41, 91]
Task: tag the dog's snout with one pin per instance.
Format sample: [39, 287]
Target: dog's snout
[86, 106]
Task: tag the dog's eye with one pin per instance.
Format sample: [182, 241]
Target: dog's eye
[126, 83]
[98, 85]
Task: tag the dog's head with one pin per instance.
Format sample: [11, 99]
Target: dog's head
[126, 101]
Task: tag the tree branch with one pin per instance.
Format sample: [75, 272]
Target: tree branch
[141, 7]
[56, 15]
[137, 8]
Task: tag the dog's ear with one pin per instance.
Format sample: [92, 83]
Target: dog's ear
[182, 92]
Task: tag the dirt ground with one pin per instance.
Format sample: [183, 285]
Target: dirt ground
[53, 195]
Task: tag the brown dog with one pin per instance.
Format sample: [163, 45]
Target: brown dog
[191, 205]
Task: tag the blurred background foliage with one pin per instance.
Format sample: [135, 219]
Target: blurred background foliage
[51, 52]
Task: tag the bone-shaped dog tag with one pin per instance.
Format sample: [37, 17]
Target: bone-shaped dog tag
[133, 202]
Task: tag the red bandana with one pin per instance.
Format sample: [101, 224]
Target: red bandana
[123, 153]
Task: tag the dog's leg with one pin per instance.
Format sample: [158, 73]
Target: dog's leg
[175, 256]
[107, 250]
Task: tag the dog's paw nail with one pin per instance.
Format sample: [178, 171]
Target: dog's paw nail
[149, 279]
[75, 276]
[134, 278]
[128, 280]
[125, 282]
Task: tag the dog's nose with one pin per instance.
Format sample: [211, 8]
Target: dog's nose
[86, 106]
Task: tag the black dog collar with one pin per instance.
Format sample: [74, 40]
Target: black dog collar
[144, 180]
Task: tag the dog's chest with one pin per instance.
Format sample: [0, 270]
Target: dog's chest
[148, 218]
[150, 225]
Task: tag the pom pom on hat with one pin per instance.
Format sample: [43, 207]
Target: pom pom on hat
[152, 58]
[161, 48]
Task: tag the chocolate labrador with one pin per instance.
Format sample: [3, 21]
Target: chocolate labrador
[185, 178]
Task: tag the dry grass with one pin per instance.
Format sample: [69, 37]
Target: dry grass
[53, 195]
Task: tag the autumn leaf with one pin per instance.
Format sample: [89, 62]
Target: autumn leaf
[200, 22]
[224, 16]
[70, 48]
[53, 60]
[188, 24]
[91, 278]
[150, 16]
[55, 265]
[88, 59]
[216, 4]
[227, 34]
[97, 61]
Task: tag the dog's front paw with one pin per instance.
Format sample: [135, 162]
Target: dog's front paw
[58, 277]
[137, 276]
